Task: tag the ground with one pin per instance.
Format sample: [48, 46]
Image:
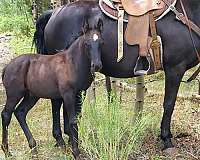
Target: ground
[185, 123]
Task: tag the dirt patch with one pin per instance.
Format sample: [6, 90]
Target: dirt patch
[5, 54]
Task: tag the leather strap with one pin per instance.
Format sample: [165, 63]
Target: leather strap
[194, 75]
[155, 44]
[120, 33]
[190, 30]
[184, 19]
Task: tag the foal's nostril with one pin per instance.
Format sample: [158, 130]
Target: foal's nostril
[98, 67]
[95, 67]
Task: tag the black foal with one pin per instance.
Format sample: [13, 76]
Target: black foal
[32, 76]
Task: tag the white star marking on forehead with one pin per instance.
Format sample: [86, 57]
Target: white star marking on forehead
[95, 37]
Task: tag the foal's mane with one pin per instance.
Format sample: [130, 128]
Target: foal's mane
[74, 38]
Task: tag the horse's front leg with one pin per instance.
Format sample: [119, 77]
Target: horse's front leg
[173, 77]
[57, 133]
[80, 97]
[69, 105]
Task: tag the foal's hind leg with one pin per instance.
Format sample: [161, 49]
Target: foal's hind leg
[6, 115]
[173, 78]
[57, 133]
[21, 111]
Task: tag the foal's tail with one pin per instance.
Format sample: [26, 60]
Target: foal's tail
[38, 38]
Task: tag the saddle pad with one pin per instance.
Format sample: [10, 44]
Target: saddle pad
[110, 10]
[140, 7]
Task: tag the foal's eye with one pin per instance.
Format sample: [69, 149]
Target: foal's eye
[87, 44]
[101, 42]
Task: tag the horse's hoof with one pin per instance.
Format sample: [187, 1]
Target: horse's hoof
[60, 145]
[34, 153]
[6, 151]
[76, 154]
[8, 154]
[171, 152]
[78, 158]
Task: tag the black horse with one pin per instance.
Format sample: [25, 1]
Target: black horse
[178, 51]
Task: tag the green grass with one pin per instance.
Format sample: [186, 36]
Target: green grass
[109, 132]
[106, 132]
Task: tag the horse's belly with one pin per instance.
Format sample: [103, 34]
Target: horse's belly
[44, 89]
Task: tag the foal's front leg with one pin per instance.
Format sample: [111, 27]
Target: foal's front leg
[173, 77]
[69, 105]
[80, 97]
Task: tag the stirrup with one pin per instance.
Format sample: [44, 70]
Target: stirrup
[142, 66]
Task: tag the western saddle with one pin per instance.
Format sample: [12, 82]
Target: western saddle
[141, 20]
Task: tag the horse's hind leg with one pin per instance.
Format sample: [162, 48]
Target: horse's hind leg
[57, 133]
[6, 115]
[173, 77]
[21, 111]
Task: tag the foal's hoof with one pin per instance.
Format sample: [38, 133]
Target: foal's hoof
[171, 152]
[5, 150]
[76, 154]
[61, 145]
[8, 154]
[34, 153]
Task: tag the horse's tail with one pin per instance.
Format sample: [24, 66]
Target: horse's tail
[38, 38]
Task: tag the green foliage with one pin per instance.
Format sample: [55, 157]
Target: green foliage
[21, 44]
[15, 7]
[15, 16]
[17, 25]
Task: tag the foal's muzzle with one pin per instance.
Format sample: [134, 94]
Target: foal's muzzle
[95, 67]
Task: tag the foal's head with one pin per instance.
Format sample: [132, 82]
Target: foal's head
[93, 42]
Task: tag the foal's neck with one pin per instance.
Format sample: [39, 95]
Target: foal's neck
[77, 52]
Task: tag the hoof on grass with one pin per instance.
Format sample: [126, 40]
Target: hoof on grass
[171, 152]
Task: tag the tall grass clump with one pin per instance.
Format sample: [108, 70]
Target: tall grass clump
[107, 132]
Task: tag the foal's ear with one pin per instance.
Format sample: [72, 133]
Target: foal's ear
[85, 27]
[100, 25]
